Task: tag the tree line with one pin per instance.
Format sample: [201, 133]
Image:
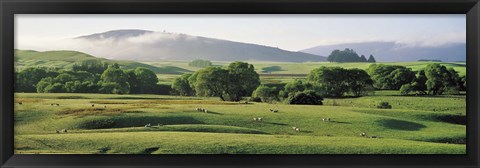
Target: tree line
[89, 76]
[348, 55]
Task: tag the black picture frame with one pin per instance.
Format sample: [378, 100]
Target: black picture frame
[8, 8]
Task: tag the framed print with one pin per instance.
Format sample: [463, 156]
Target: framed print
[355, 83]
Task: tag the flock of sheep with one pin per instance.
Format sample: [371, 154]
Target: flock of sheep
[202, 110]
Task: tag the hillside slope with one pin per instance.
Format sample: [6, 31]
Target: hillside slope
[141, 45]
[66, 59]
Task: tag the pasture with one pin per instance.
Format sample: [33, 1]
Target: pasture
[116, 124]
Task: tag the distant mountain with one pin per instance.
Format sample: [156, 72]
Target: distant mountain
[66, 59]
[397, 52]
[141, 45]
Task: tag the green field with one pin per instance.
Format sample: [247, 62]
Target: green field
[415, 125]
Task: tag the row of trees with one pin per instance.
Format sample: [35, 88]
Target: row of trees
[434, 79]
[90, 76]
[348, 55]
[237, 80]
[200, 63]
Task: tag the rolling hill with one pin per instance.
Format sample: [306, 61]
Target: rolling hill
[398, 52]
[66, 59]
[142, 45]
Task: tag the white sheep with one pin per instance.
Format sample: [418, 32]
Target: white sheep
[206, 111]
[275, 111]
[297, 129]
[363, 134]
[148, 125]
[259, 119]
[254, 119]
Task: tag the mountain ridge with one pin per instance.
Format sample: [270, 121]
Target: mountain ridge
[143, 45]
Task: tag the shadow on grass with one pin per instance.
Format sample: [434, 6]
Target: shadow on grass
[135, 121]
[273, 123]
[400, 125]
[341, 122]
[453, 119]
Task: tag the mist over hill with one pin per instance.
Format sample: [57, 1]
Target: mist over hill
[142, 45]
[398, 52]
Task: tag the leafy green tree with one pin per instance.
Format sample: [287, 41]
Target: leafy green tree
[181, 86]
[294, 87]
[331, 80]
[44, 83]
[113, 87]
[212, 81]
[114, 80]
[92, 66]
[441, 79]
[55, 88]
[390, 76]
[231, 84]
[132, 81]
[243, 80]
[406, 89]
[359, 82]
[26, 80]
[147, 80]
[265, 93]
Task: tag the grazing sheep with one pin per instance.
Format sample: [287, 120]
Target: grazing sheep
[259, 119]
[363, 134]
[297, 129]
[93, 105]
[58, 104]
[275, 111]
[271, 110]
[160, 124]
[246, 102]
[57, 131]
[324, 119]
[206, 111]
[51, 104]
[328, 120]
[64, 130]
[104, 106]
[20, 103]
[373, 137]
[197, 109]
[148, 125]
[254, 119]
[294, 128]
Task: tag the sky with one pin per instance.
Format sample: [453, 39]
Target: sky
[289, 32]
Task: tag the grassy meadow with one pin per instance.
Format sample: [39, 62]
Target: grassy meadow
[115, 125]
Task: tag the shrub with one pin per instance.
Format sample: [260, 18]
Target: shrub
[384, 105]
[306, 97]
